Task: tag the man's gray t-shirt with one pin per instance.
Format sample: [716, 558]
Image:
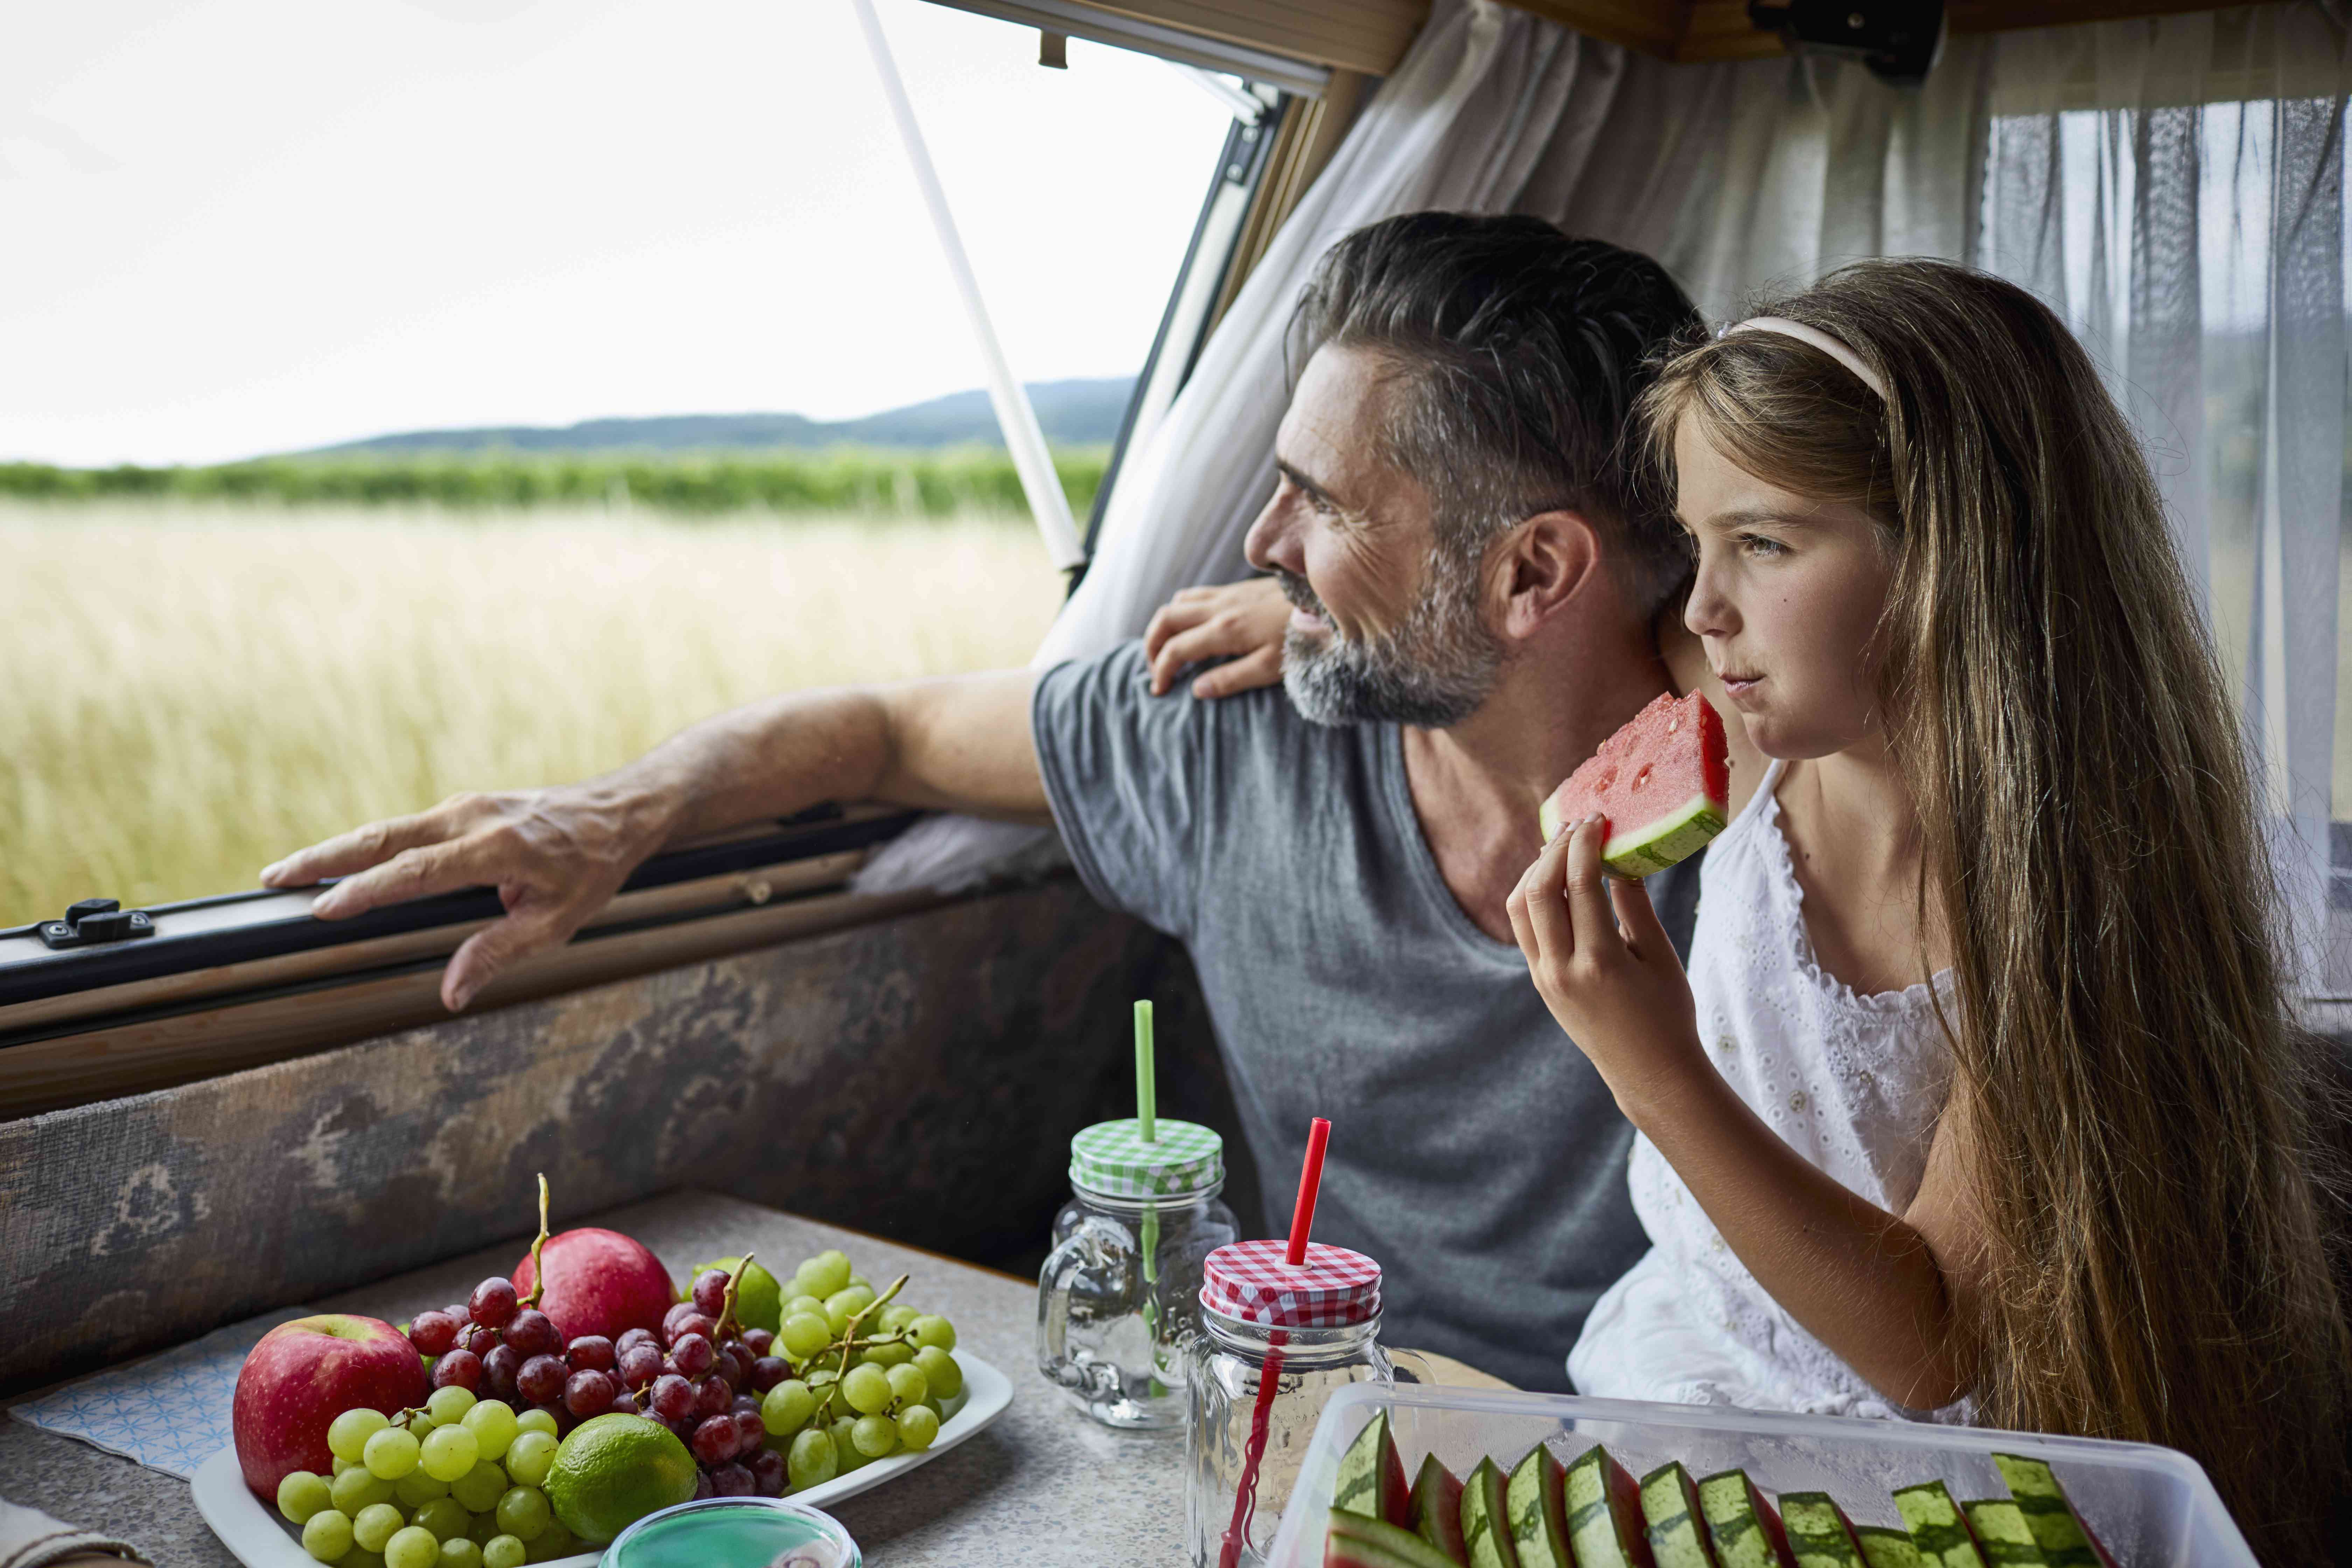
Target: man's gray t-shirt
[1475, 1151]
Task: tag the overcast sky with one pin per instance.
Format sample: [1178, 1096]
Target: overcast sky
[252, 225]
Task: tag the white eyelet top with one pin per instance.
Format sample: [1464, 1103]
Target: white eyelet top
[1853, 1083]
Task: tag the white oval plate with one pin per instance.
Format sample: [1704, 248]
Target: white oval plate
[259, 1538]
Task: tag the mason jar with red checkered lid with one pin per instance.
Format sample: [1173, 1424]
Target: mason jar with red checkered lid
[1277, 1342]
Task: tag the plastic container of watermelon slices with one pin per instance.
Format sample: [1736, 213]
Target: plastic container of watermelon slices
[2150, 1507]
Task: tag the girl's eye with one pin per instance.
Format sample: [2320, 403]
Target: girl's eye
[1761, 548]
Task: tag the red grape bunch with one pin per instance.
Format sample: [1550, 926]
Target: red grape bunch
[703, 1376]
[499, 1345]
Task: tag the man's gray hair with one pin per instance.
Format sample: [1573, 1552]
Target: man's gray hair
[1517, 352]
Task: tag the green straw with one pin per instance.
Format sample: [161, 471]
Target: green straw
[1147, 1113]
[1147, 1091]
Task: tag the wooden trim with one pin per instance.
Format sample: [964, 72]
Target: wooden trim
[1688, 31]
[1657, 28]
[1369, 37]
[1311, 133]
[154, 1049]
[1364, 36]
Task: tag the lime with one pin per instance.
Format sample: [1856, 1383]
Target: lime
[613, 1471]
[759, 1299]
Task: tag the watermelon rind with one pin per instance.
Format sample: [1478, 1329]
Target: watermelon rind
[1604, 1523]
[1485, 1519]
[1352, 1540]
[2065, 1539]
[1735, 1526]
[1676, 1530]
[1665, 842]
[1818, 1536]
[2002, 1536]
[1371, 1476]
[1884, 1548]
[1538, 1512]
[1436, 1509]
[1936, 1527]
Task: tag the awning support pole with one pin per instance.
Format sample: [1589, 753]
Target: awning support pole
[1023, 438]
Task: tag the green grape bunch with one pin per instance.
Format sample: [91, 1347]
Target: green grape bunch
[455, 1483]
[869, 1377]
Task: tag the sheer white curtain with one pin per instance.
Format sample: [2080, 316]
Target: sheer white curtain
[2175, 189]
[1733, 176]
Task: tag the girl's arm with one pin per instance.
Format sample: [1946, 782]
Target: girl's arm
[1889, 1293]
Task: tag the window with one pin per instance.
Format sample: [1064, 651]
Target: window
[269, 229]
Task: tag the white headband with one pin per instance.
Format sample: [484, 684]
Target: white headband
[1818, 339]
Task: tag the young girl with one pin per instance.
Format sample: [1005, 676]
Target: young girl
[1982, 1097]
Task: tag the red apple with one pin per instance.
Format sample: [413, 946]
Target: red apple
[599, 1282]
[305, 1373]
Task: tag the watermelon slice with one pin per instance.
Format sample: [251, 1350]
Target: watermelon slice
[1677, 1529]
[1485, 1519]
[1604, 1513]
[1353, 1541]
[1371, 1477]
[1938, 1527]
[1436, 1509]
[1884, 1548]
[1999, 1525]
[1663, 782]
[1819, 1534]
[1744, 1529]
[2065, 1539]
[1540, 1511]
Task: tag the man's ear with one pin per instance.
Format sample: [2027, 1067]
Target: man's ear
[1542, 565]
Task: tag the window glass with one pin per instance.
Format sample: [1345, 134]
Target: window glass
[248, 229]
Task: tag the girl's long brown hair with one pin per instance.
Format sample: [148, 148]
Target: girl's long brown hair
[2093, 847]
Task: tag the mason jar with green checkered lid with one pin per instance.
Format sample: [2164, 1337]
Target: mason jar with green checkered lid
[1119, 1295]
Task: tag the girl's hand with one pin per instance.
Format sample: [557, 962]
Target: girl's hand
[1241, 622]
[1603, 965]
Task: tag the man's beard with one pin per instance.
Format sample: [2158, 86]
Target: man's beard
[1433, 670]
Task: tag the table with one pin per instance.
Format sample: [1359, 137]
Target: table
[1044, 1486]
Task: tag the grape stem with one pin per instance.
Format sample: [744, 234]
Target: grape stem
[727, 1308]
[850, 1342]
[538, 1273]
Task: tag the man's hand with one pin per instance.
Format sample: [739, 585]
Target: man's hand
[958, 743]
[1242, 622]
[555, 855]
[1602, 965]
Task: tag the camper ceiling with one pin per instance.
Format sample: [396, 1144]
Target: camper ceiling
[1371, 36]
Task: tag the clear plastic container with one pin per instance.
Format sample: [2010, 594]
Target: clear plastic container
[1118, 1297]
[2152, 1508]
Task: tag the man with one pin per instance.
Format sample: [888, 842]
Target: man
[1476, 574]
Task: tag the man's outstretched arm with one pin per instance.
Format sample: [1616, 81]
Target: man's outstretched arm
[556, 856]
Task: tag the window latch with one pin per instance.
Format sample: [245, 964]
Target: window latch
[95, 921]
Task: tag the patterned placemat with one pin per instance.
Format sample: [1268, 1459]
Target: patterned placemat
[169, 1412]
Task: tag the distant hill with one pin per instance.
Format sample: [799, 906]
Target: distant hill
[1071, 413]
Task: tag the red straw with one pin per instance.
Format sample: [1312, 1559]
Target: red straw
[1310, 1179]
[1302, 1221]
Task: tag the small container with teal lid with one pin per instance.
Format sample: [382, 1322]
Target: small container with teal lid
[1118, 1297]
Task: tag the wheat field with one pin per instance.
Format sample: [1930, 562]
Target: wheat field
[195, 691]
